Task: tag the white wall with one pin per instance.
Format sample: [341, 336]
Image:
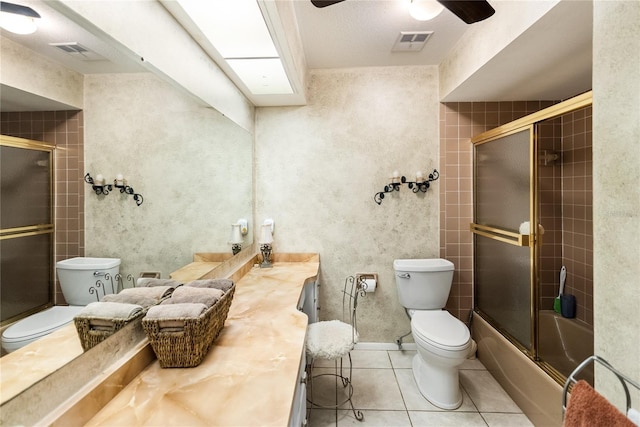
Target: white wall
[318, 167]
[192, 165]
[616, 209]
[27, 71]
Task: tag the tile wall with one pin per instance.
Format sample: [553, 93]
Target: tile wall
[459, 121]
[577, 207]
[65, 129]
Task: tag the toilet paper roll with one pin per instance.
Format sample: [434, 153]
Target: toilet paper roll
[371, 285]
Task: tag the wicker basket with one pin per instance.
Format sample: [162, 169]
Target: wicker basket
[91, 337]
[187, 348]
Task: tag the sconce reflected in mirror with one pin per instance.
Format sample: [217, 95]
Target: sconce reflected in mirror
[236, 238]
[100, 187]
[266, 240]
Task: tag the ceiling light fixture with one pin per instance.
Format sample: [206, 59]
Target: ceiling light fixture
[18, 19]
[424, 10]
[238, 31]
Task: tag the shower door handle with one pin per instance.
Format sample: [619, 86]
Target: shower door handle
[404, 275]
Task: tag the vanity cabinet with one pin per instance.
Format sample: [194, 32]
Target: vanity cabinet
[298, 416]
[308, 302]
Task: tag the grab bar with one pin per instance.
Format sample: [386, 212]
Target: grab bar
[624, 380]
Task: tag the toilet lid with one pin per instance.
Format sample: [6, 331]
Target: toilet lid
[440, 329]
[41, 323]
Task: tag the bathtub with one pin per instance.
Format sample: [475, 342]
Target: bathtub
[534, 390]
[564, 343]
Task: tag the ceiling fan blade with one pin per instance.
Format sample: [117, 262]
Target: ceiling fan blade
[324, 3]
[469, 11]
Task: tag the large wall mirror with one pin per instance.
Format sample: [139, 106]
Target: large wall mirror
[192, 165]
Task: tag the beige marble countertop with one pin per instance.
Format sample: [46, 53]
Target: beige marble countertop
[24, 367]
[248, 377]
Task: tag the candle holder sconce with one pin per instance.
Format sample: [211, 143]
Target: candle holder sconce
[420, 185]
[121, 183]
[98, 184]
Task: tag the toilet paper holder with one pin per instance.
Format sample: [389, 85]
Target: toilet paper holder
[369, 279]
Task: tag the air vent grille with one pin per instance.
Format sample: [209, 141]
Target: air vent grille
[411, 41]
[78, 51]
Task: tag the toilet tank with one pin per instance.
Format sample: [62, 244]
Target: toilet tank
[84, 280]
[423, 284]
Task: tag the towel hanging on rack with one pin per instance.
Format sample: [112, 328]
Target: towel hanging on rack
[588, 408]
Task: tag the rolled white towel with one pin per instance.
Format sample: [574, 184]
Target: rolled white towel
[525, 228]
[144, 296]
[634, 416]
[188, 294]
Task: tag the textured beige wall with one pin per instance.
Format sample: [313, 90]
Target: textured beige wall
[318, 167]
[616, 210]
[483, 40]
[192, 165]
[24, 69]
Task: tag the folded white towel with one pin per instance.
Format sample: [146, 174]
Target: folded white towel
[176, 311]
[188, 294]
[634, 416]
[223, 284]
[110, 310]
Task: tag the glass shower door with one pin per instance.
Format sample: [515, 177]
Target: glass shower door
[26, 226]
[503, 212]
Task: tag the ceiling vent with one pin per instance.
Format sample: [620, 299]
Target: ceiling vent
[78, 51]
[411, 41]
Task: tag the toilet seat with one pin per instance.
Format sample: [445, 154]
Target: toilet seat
[38, 325]
[440, 330]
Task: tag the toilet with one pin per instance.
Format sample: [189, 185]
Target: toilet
[442, 340]
[78, 281]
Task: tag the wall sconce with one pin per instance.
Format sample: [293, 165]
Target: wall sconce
[98, 184]
[18, 19]
[100, 187]
[420, 185]
[236, 238]
[121, 183]
[266, 239]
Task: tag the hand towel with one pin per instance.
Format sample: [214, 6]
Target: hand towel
[171, 317]
[188, 294]
[110, 310]
[101, 315]
[176, 311]
[144, 301]
[144, 296]
[149, 283]
[588, 408]
[222, 284]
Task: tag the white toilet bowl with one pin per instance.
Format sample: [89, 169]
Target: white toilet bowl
[443, 344]
[79, 279]
[37, 326]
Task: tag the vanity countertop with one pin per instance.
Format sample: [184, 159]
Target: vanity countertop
[250, 374]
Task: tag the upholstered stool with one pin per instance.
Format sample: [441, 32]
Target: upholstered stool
[334, 340]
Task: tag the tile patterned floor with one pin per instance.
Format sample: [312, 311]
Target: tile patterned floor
[387, 395]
